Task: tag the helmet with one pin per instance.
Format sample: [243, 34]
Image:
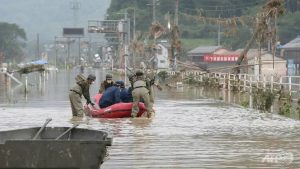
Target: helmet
[120, 83]
[108, 77]
[139, 73]
[130, 77]
[92, 77]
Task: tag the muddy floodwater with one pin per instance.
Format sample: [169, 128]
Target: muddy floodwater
[189, 129]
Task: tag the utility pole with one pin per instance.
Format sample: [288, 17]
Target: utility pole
[79, 52]
[133, 23]
[176, 12]
[153, 8]
[68, 57]
[274, 47]
[176, 24]
[75, 6]
[219, 32]
[56, 52]
[37, 46]
[133, 53]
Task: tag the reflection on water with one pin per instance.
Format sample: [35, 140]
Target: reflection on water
[188, 131]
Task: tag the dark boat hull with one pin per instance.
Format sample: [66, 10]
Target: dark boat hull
[75, 151]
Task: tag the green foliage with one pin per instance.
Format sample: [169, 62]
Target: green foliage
[263, 100]
[189, 44]
[163, 75]
[191, 27]
[11, 36]
[289, 27]
[298, 108]
[245, 103]
[285, 108]
[191, 79]
[239, 40]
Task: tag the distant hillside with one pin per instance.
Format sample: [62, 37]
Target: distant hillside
[48, 17]
[191, 15]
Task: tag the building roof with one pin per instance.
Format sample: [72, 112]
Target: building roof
[224, 51]
[295, 43]
[204, 49]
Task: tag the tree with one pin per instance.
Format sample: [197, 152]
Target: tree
[12, 39]
[289, 27]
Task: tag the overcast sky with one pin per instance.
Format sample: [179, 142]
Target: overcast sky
[49, 17]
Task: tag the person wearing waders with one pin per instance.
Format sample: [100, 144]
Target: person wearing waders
[108, 82]
[150, 82]
[81, 87]
[140, 91]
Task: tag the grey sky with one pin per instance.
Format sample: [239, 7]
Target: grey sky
[48, 17]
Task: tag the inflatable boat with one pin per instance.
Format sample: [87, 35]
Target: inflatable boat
[119, 110]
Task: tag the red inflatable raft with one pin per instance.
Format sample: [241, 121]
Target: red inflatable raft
[119, 110]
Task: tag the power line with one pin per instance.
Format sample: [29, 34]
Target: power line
[217, 8]
[252, 3]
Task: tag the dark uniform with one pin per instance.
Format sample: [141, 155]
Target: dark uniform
[108, 82]
[139, 92]
[81, 87]
[110, 96]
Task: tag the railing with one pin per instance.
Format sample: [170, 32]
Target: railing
[246, 81]
[12, 77]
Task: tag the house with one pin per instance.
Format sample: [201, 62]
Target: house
[197, 55]
[291, 53]
[222, 60]
[161, 58]
[270, 65]
[214, 58]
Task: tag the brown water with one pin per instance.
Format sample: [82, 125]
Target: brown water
[188, 130]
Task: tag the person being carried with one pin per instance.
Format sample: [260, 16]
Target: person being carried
[139, 92]
[111, 95]
[81, 87]
[108, 82]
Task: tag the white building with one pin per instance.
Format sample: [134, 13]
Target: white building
[161, 58]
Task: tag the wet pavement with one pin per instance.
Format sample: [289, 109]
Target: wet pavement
[189, 130]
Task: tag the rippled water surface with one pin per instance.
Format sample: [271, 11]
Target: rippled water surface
[188, 130]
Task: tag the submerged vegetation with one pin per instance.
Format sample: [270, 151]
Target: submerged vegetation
[263, 99]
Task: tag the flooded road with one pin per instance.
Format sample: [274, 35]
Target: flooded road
[188, 130]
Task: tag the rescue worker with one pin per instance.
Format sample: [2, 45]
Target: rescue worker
[111, 95]
[139, 92]
[81, 87]
[150, 82]
[108, 82]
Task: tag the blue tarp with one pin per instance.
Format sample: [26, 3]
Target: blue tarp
[39, 62]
